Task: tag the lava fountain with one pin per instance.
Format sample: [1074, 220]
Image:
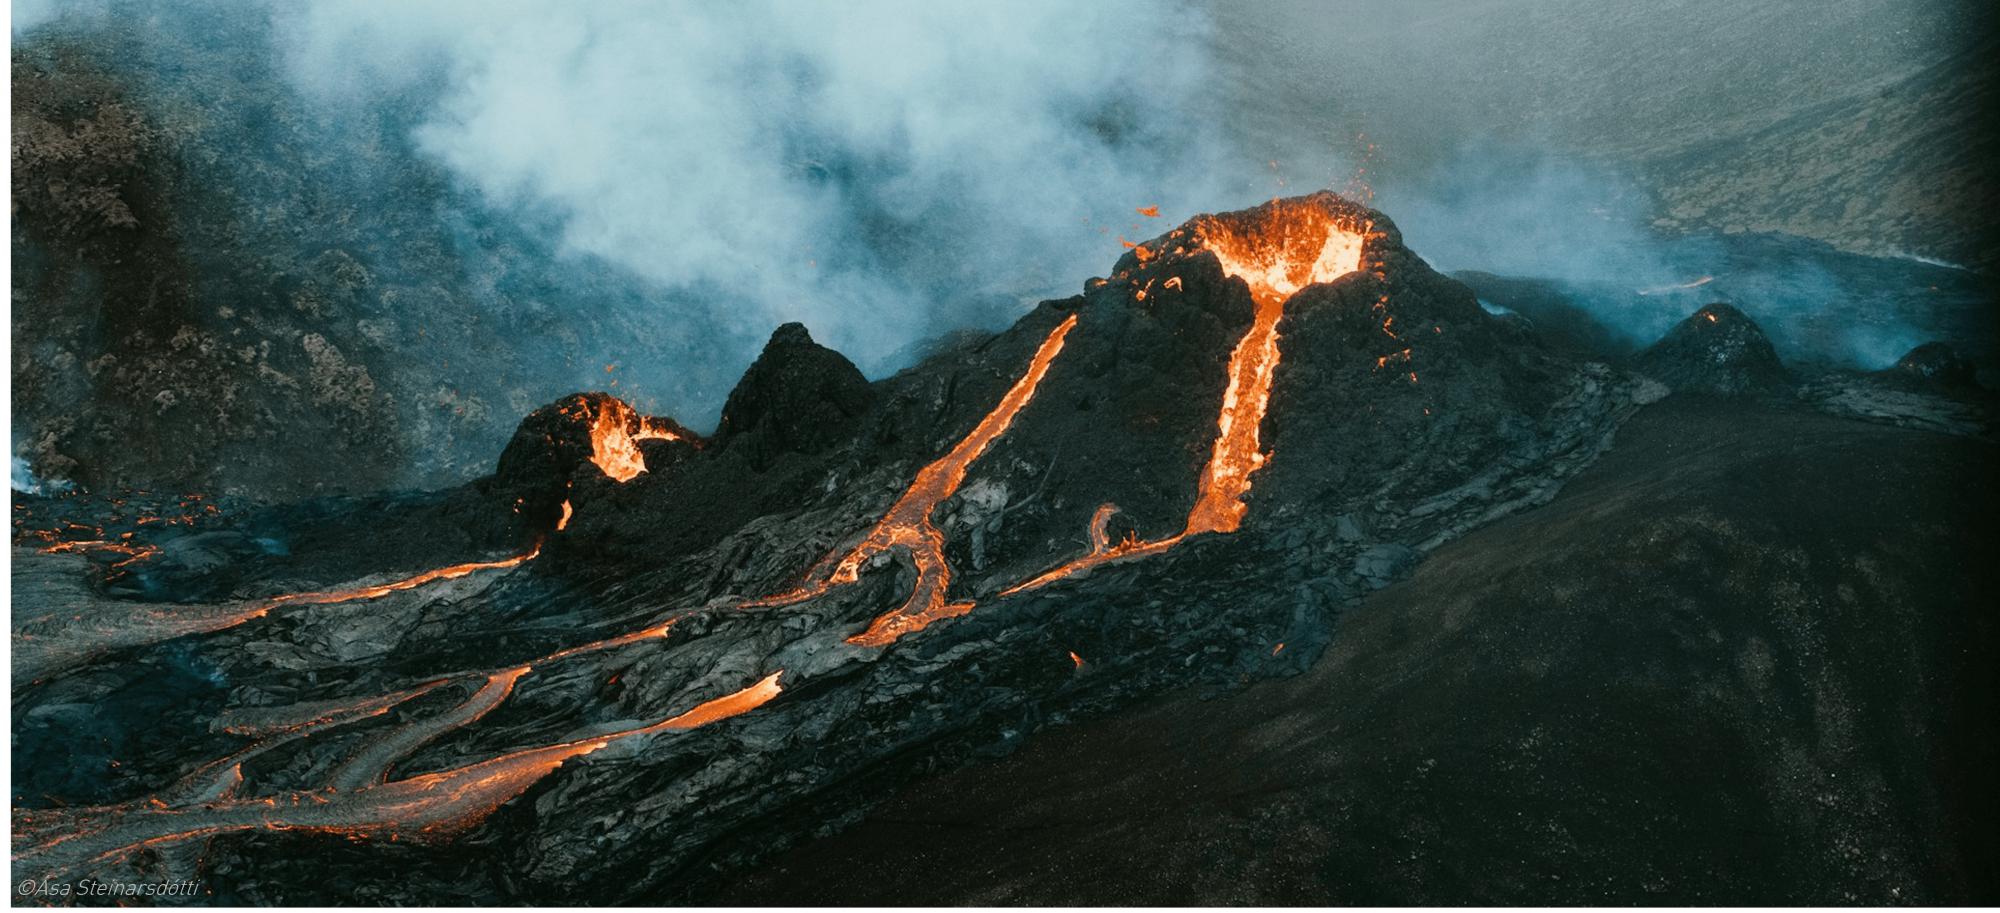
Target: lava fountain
[615, 433]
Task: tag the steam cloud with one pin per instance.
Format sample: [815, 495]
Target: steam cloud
[883, 172]
[889, 172]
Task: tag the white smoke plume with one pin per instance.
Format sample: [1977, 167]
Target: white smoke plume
[881, 171]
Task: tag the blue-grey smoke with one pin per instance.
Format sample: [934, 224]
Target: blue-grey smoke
[881, 171]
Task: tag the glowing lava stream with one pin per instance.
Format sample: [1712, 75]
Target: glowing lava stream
[380, 590]
[1277, 258]
[370, 765]
[434, 803]
[908, 523]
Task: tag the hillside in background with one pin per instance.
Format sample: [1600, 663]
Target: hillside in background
[1867, 123]
[225, 282]
[218, 282]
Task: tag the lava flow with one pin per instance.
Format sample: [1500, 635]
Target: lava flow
[380, 590]
[908, 523]
[1284, 249]
[431, 804]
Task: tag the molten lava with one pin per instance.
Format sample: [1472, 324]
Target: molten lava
[615, 433]
[908, 525]
[1277, 251]
[379, 590]
[428, 805]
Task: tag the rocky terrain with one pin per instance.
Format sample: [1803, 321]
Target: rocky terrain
[634, 662]
[1742, 659]
[1868, 125]
[224, 286]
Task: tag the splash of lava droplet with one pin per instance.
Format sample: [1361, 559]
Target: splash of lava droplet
[1284, 250]
[908, 523]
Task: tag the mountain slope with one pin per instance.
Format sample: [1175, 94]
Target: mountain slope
[1695, 677]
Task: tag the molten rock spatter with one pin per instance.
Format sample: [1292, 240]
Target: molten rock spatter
[797, 397]
[585, 435]
[1718, 349]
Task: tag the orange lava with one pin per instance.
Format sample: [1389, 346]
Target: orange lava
[562, 522]
[1280, 250]
[908, 525]
[426, 806]
[615, 434]
[379, 590]
[80, 546]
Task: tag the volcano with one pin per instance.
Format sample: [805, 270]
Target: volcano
[646, 661]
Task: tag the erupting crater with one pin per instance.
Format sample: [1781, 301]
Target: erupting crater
[615, 433]
[1276, 249]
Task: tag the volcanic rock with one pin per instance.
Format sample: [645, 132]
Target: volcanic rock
[1718, 349]
[797, 397]
[1391, 415]
[1621, 697]
[555, 447]
[1937, 364]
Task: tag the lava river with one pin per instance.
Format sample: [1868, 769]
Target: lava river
[908, 524]
[427, 805]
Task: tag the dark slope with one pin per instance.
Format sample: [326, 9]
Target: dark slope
[1742, 659]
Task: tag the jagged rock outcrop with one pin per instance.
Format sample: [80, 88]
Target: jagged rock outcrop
[1931, 387]
[581, 438]
[797, 397]
[1937, 365]
[1717, 349]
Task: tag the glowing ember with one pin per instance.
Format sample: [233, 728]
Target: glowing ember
[907, 525]
[1283, 249]
[562, 522]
